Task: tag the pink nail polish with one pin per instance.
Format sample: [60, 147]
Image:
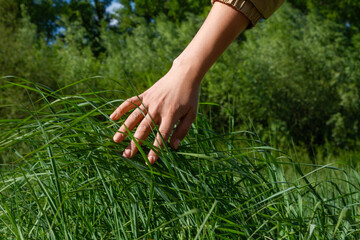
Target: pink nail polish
[151, 159]
[113, 116]
[127, 153]
[119, 137]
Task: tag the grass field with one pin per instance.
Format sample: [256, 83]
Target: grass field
[63, 178]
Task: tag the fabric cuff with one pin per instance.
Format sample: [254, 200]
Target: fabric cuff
[246, 8]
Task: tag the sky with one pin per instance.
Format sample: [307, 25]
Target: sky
[115, 5]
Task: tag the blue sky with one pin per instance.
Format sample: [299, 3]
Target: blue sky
[110, 9]
[115, 5]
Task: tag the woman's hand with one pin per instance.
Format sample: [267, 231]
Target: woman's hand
[171, 100]
[174, 98]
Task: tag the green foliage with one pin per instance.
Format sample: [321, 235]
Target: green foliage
[9, 13]
[44, 14]
[342, 11]
[22, 55]
[90, 14]
[73, 183]
[296, 74]
[302, 74]
[175, 10]
[144, 56]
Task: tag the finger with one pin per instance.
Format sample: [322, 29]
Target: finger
[125, 107]
[182, 129]
[142, 132]
[134, 118]
[162, 137]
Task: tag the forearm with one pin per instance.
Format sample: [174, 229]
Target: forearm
[220, 28]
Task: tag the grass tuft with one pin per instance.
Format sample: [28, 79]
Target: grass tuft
[64, 178]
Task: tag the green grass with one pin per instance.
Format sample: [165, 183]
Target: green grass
[64, 178]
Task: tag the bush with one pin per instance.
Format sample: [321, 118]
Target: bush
[297, 71]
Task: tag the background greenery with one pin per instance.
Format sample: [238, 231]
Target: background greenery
[297, 73]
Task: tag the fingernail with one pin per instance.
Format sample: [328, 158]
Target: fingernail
[113, 115]
[116, 138]
[119, 137]
[176, 143]
[127, 153]
[151, 159]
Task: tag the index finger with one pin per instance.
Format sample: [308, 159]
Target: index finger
[126, 106]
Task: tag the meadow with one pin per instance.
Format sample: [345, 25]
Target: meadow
[273, 152]
[63, 177]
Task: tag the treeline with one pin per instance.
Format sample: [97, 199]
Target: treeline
[297, 73]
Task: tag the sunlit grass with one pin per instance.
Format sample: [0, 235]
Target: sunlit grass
[68, 180]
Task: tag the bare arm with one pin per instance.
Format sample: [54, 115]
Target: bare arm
[174, 98]
[220, 28]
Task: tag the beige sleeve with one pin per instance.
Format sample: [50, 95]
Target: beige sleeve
[254, 10]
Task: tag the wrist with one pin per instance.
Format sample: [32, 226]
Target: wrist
[191, 67]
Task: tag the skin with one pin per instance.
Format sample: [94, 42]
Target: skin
[174, 98]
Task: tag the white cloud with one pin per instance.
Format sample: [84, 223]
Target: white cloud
[113, 7]
[113, 22]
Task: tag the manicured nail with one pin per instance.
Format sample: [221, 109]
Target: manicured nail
[176, 143]
[113, 116]
[116, 138]
[151, 159]
[127, 153]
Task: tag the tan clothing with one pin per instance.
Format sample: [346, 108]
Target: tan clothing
[254, 10]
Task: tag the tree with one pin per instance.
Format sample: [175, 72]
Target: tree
[301, 71]
[47, 15]
[344, 12]
[91, 14]
[175, 10]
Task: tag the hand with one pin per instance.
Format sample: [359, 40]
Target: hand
[173, 99]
